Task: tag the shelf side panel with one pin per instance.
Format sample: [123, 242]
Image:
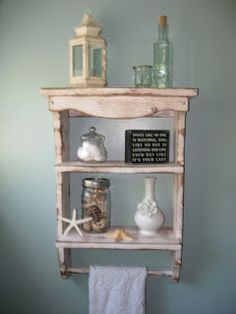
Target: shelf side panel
[178, 189]
[178, 206]
[176, 264]
[61, 132]
[179, 137]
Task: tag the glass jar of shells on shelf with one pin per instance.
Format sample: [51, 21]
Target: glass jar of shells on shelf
[96, 204]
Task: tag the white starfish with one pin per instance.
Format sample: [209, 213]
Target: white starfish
[73, 223]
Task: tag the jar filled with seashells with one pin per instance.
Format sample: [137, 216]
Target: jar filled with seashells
[96, 204]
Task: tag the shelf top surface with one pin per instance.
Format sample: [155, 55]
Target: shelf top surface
[163, 239]
[124, 91]
[118, 167]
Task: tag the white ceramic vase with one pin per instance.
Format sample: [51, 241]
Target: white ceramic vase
[149, 217]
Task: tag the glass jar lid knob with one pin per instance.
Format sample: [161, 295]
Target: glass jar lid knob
[92, 129]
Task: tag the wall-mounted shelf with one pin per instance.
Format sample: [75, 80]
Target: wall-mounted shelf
[164, 240]
[117, 167]
[119, 103]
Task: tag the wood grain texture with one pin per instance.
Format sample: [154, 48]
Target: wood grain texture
[179, 136]
[117, 167]
[178, 189]
[84, 270]
[159, 114]
[122, 107]
[125, 91]
[178, 206]
[64, 260]
[176, 265]
[163, 240]
[61, 132]
[118, 103]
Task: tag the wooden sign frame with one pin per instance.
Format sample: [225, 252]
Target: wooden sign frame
[147, 146]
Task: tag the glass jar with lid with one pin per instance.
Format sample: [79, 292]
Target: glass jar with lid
[96, 204]
[92, 146]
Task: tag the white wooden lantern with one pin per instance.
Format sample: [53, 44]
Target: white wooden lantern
[88, 54]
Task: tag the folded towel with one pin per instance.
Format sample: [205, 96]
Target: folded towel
[117, 290]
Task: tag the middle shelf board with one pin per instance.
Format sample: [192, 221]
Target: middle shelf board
[164, 239]
[118, 167]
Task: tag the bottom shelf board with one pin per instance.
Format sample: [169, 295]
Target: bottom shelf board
[163, 240]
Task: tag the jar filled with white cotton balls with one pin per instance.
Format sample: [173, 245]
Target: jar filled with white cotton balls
[92, 147]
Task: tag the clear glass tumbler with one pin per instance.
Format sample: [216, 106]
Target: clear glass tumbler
[143, 75]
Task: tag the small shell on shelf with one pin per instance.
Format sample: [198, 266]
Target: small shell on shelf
[119, 235]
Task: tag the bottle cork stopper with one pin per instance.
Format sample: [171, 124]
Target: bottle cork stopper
[163, 21]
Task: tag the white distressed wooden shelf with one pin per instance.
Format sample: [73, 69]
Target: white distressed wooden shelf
[119, 103]
[119, 91]
[163, 240]
[117, 167]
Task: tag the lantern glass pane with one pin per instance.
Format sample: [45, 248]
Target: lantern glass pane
[95, 63]
[78, 60]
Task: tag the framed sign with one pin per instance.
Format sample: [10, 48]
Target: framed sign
[147, 146]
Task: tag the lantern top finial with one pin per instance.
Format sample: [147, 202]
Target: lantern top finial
[88, 26]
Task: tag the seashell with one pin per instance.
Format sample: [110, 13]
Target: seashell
[119, 235]
[95, 213]
[102, 224]
[95, 227]
[88, 204]
[87, 227]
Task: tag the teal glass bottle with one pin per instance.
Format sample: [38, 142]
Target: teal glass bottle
[163, 57]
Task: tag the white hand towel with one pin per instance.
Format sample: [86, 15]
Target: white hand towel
[117, 290]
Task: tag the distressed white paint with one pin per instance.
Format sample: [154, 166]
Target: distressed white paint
[117, 167]
[116, 103]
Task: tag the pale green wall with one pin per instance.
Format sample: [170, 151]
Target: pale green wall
[34, 53]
